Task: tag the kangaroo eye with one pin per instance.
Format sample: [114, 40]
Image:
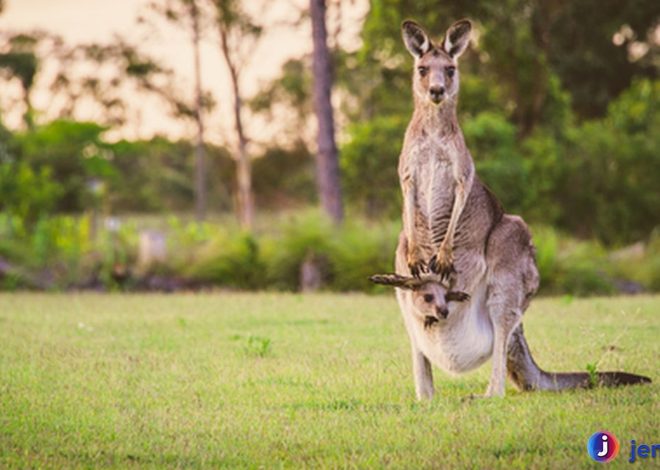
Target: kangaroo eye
[423, 70]
[428, 298]
[451, 71]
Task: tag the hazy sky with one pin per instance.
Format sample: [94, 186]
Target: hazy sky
[98, 20]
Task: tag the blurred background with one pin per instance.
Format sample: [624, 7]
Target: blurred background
[189, 144]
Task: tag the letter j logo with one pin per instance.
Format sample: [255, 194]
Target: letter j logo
[603, 446]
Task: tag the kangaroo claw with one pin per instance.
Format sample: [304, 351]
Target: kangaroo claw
[445, 268]
[417, 268]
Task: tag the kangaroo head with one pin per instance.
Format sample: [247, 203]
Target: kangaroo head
[430, 294]
[435, 79]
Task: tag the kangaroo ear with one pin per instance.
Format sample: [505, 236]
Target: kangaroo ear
[416, 40]
[394, 280]
[457, 38]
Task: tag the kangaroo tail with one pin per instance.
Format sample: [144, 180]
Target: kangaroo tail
[527, 375]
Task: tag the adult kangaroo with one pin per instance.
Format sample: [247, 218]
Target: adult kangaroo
[466, 271]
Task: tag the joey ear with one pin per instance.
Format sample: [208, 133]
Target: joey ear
[457, 38]
[416, 40]
[394, 280]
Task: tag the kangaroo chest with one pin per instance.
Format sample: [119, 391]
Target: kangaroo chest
[432, 161]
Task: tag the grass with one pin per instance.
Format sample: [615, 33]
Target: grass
[283, 380]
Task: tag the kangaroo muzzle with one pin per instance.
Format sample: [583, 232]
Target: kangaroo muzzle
[437, 93]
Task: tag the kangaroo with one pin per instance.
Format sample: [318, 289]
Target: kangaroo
[466, 304]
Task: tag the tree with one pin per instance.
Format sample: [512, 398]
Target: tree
[200, 156]
[117, 68]
[327, 154]
[188, 12]
[21, 62]
[238, 34]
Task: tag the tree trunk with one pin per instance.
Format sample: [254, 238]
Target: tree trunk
[243, 164]
[200, 155]
[245, 198]
[327, 160]
[28, 117]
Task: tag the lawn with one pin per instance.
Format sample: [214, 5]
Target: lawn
[284, 380]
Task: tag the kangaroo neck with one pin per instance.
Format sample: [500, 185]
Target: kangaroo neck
[439, 120]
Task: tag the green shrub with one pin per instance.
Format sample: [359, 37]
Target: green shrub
[569, 266]
[307, 235]
[639, 263]
[359, 250]
[61, 250]
[610, 190]
[373, 150]
[230, 260]
[26, 192]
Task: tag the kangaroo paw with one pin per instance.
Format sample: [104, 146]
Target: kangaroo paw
[443, 263]
[416, 264]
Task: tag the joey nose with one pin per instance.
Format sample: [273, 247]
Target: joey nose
[437, 92]
[442, 311]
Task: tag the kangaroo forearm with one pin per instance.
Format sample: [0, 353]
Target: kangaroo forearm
[460, 198]
[409, 214]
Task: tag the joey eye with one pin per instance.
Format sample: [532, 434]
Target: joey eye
[423, 71]
[451, 71]
[428, 298]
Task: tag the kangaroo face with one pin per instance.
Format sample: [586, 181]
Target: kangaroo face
[436, 77]
[436, 68]
[430, 300]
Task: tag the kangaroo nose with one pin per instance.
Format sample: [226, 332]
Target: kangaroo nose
[437, 92]
[442, 311]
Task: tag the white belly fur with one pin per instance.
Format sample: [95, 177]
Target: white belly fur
[462, 342]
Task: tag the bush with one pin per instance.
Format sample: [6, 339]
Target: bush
[372, 152]
[284, 178]
[26, 192]
[569, 266]
[305, 236]
[610, 191]
[492, 142]
[359, 250]
[59, 252]
[229, 260]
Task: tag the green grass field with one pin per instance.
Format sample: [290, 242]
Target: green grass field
[284, 380]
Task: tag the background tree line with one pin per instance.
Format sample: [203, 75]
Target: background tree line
[559, 105]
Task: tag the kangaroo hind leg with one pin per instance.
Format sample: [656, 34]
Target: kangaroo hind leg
[512, 281]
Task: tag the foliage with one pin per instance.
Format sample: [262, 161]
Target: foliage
[373, 150]
[21, 61]
[492, 142]
[615, 162]
[68, 166]
[62, 252]
[72, 154]
[560, 116]
[155, 175]
[570, 266]
[284, 177]
[26, 192]
[231, 261]
[306, 236]
[257, 346]
[360, 250]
